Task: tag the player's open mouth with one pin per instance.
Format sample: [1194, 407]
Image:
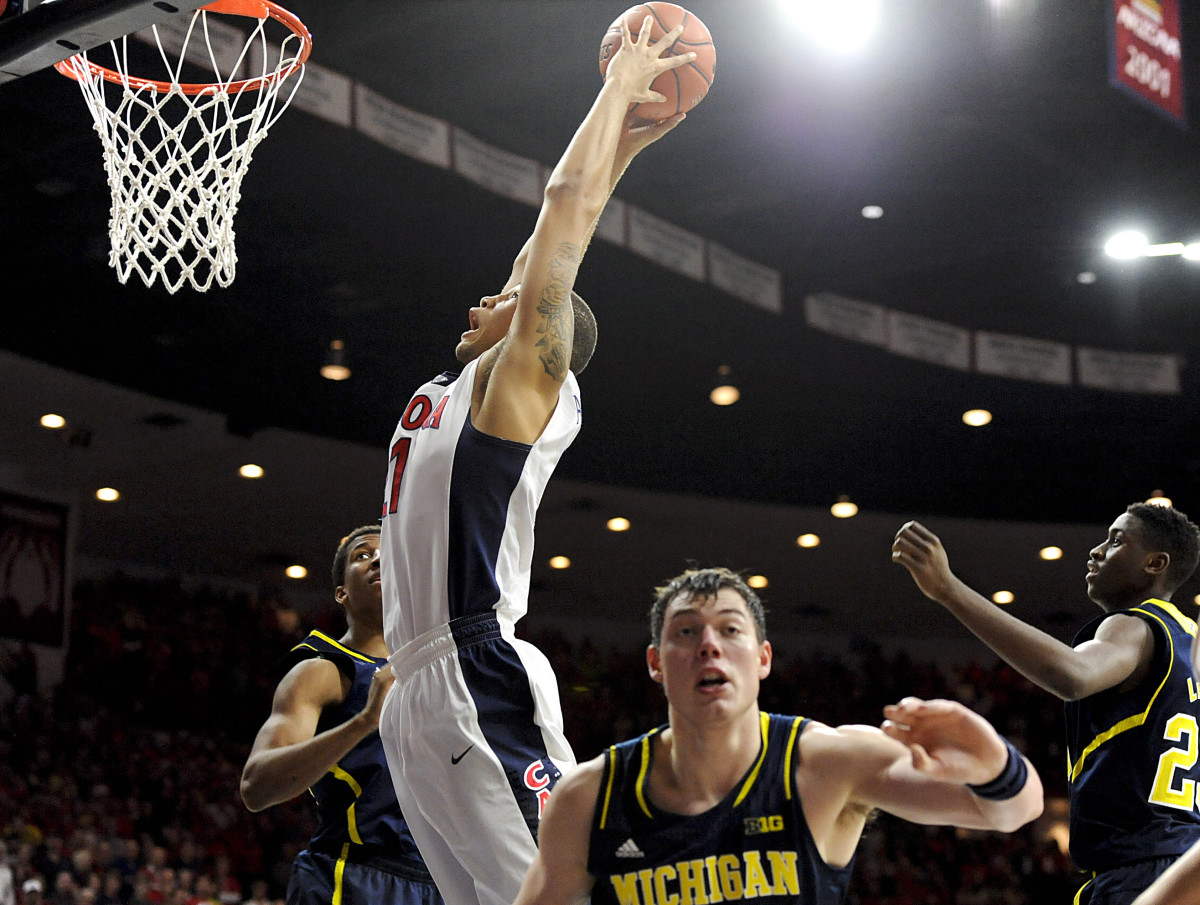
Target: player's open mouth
[712, 680]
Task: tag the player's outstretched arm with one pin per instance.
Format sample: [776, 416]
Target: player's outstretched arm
[532, 361]
[846, 772]
[288, 756]
[559, 873]
[1122, 644]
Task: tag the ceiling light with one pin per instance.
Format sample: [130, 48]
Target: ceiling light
[808, 540]
[1159, 251]
[841, 27]
[1050, 553]
[108, 494]
[1158, 499]
[618, 524]
[250, 470]
[296, 572]
[843, 508]
[1126, 245]
[872, 212]
[725, 395]
[335, 362]
[977, 417]
[54, 422]
[559, 562]
[1003, 597]
[757, 581]
[1191, 251]
[1086, 277]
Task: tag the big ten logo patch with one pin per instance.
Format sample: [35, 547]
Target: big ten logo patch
[756, 826]
[539, 777]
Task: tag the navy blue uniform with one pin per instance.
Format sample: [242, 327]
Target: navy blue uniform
[1133, 761]
[362, 852]
[754, 844]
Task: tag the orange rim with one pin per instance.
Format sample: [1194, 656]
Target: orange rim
[252, 9]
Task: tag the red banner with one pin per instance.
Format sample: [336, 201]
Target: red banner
[1147, 59]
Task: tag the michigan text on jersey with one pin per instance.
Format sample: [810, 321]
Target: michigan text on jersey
[706, 881]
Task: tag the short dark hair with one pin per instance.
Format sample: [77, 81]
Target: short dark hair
[1169, 530]
[583, 338]
[705, 583]
[343, 552]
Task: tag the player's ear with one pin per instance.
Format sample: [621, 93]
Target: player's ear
[339, 594]
[765, 656]
[654, 663]
[1158, 563]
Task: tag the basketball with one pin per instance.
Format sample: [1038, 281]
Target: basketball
[684, 87]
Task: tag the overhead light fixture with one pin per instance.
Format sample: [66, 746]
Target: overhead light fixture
[842, 27]
[1050, 553]
[1191, 251]
[872, 212]
[843, 508]
[1086, 277]
[725, 395]
[1126, 245]
[977, 417]
[335, 362]
[108, 494]
[296, 572]
[250, 470]
[54, 422]
[1003, 597]
[1162, 251]
[808, 540]
[617, 524]
[559, 562]
[758, 582]
[1157, 498]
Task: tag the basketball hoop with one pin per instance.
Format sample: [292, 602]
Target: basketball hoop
[175, 152]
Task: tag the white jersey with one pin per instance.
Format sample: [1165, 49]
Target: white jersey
[459, 509]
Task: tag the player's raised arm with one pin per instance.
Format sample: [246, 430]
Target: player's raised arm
[1122, 645]
[518, 386]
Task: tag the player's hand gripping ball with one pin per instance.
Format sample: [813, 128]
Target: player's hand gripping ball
[683, 87]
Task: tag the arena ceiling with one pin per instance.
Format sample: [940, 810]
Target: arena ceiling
[987, 130]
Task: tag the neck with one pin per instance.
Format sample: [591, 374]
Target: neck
[368, 639]
[697, 765]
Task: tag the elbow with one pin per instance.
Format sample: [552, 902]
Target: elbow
[252, 796]
[1027, 806]
[575, 190]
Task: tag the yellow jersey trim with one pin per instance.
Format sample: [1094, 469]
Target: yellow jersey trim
[1137, 719]
[764, 724]
[612, 769]
[340, 647]
[787, 758]
[338, 870]
[643, 771]
[351, 821]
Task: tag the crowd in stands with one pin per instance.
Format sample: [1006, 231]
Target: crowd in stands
[120, 786]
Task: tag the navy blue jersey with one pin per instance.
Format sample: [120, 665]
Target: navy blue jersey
[358, 817]
[754, 844]
[1134, 756]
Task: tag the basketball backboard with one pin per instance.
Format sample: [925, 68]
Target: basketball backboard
[35, 35]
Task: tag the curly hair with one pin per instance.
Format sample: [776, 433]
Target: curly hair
[705, 583]
[1169, 530]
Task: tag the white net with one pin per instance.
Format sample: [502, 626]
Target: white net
[175, 160]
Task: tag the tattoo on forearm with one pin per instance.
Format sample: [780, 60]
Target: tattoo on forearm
[557, 318]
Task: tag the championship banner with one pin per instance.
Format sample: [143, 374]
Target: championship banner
[33, 543]
[1147, 59]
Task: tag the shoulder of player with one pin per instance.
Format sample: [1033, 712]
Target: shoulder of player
[1126, 629]
[315, 682]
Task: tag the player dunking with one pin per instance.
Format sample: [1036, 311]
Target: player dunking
[727, 802]
[1132, 717]
[321, 736]
[473, 725]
